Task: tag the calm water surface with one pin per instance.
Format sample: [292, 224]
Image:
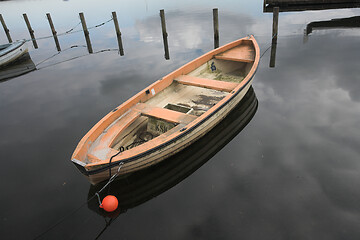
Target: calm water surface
[291, 173]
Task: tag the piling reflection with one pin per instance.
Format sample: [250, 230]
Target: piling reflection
[6, 30]
[118, 34]
[274, 36]
[48, 16]
[31, 31]
[142, 186]
[86, 32]
[164, 33]
[216, 27]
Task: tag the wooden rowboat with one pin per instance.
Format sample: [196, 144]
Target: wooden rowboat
[148, 183]
[170, 114]
[11, 52]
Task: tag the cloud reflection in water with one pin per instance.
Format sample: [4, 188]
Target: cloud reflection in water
[291, 174]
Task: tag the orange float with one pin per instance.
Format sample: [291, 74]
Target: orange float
[109, 203]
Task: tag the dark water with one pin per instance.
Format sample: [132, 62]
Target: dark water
[291, 173]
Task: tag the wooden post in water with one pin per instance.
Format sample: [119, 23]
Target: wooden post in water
[86, 32]
[7, 32]
[31, 31]
[118, 34]
[216, 27]
[274, 36]
[165, 35]
[264, 5]
[53, 32]
[306, 37]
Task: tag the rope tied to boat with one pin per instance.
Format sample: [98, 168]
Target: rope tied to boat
[111, 179]
[54, 55]
[268, 46]
[120, 151]
[98, 196]
[82, 205]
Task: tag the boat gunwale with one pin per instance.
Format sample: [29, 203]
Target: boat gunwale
[11, 48]
[104, 164]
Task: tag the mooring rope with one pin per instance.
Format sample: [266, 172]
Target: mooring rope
[268, 46]
[73, 27]
[112, 178]
[120, 151]
[73, 58]
[71, 31]
[101, 24]
[46, 59]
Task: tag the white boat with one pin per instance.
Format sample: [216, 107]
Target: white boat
[21, 66]
[11, 52]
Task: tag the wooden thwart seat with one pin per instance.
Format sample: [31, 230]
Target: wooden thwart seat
[164, 114]
[206, 83]
[242, 53]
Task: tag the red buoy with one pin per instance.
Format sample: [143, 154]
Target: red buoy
[109, 203]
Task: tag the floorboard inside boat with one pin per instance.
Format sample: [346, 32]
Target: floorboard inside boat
[135, 135]
[222, 70]
[198, 98]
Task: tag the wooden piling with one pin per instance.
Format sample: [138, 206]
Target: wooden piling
[165, 35]
[216, 27]
[31, 31]
[86, 32]
[275, 22]
[118, 33]
[53, 32]
[274, 36]
[7, 32]
[306, 37]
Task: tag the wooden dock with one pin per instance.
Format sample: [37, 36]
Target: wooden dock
[351, 22]
[304, 5]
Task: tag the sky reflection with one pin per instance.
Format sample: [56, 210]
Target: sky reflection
[290, 174]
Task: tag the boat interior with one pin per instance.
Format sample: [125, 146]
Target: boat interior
[186, 98]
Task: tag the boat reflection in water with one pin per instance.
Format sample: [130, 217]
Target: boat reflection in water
[21, 66]
[144, 185]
